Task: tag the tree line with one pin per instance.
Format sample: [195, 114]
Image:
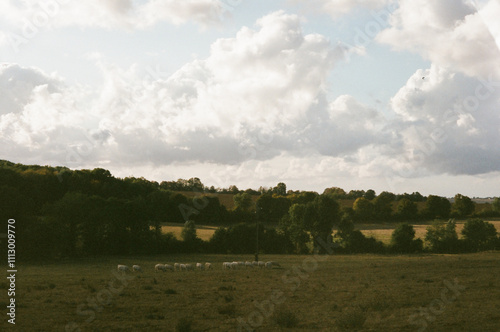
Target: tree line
[73, 213]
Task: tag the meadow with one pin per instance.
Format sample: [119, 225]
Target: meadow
[308, 293]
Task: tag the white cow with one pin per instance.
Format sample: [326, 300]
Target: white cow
[189, 267]
[160, 267]
[123, 268]
[234, 265]
[177, 267]
[200, 266]
[255, 263]
[226, 265]
[136, 268]
[208, 266]
[182, 267]
[248, 264]
[261, 263]
[169, 267]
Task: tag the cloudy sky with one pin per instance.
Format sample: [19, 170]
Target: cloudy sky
[399, 96]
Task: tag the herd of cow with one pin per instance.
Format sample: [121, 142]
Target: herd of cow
[200, 266]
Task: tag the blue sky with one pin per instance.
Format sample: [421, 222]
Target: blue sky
[389, 95]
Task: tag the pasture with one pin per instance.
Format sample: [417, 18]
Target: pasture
[308, 293]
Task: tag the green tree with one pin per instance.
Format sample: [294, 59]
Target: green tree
[336, 192]
[370, 194]
[407, 210]
[464, 205]
[382, 206]
[496, 204]
[188, 233]
[442, 237]
[403, 239]
[437, 207]
[479, 234]
[280, 189]
[363, 209]
[243, 202]
[324, 212]
[293, 225]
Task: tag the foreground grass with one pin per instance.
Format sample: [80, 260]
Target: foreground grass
[359, 292]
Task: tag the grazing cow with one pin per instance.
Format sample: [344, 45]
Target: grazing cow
[200, 266]
[123, 268]
[208, 266]
[136, 268]
[160, 267]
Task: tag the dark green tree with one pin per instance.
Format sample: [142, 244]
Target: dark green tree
[293, 226]
[479, 234]
[370, 194]
[363, 209]
[407, 210]
[382, 206]
[243, 202]
[464, 205]
[403, 239]
[437, 207]
[280, 189]
[495, 206]
[442, 237]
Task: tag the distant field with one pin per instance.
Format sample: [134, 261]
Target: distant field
[381, 232]
[203, 232]
[330, 293]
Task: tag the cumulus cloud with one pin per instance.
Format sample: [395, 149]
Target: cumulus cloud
[448, 123]
[256, 96]
[449, 33]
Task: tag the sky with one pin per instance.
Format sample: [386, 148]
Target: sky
[389, 95]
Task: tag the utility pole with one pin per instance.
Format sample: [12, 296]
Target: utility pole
[257, 217]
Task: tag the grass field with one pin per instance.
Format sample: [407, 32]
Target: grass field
[329, 293]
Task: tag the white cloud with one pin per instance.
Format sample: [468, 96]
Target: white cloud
[449, 123]
[254, 110]
[450, 33]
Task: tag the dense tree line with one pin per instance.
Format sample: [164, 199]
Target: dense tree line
[72, 213]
